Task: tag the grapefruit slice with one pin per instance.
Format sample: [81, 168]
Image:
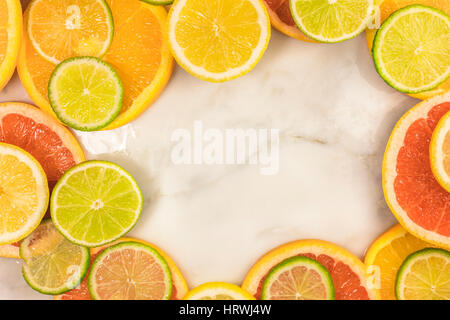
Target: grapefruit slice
[413, 194]
[385, 256]
[282, 20]
[179, 286]
[384, 8]
[347, 271]
[139, 53]
[10, 38]
[45, 139]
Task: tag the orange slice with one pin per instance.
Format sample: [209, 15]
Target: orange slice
[45, 139]
[282, 20]
[179, 288]
[385, 9]
[10, 38]
[139, 53]
[347, 271]
[418, 201]
[386, 255]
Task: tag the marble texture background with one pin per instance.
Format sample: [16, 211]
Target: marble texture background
[334, 114]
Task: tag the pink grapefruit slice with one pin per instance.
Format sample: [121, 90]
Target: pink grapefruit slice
[348, 273]
[415, 197]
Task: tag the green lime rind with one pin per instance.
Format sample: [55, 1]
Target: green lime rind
[378, 45]
[405, 268]
[73, 280]
[81, 199]
[290, 263]
[138, 246]
[59, 108]
[55, 61]
[159, 2]
[306, 31]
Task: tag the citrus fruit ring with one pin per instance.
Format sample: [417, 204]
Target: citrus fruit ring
[347, 271]
[440, 152]
[179, 286]
[384, 8]
[24, 193]
[385, 256]
[10, 38]
[138, 41]
[218, 291]
[414, 196]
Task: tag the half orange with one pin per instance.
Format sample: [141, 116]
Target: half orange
[139, 53]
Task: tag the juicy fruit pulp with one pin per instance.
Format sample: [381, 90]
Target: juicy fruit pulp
[413, 194]
[95, 203]
[130, 271]
[230, 38]
[138, 41]
[52, 263]
[64, 29]
[412, 48]
[298, 278]
[85, 93]
[425, 275]
[331, 21]
[10, 38]
[23, 193]
[386, 255]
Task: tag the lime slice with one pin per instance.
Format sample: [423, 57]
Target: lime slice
[298, 278]
[85, 93]
[424, 275]
[59, 30]
[52, 264]
[159, 2]
[95, 202]
[411, 50]
[130, 271]
[332, 20]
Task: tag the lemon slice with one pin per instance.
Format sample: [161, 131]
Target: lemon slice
[59, 30]
[218, 291]
[411, 50]
[440, 152]
[332, 20]
[424, 275]
[53, 264]
[218, 45]
[23, 193]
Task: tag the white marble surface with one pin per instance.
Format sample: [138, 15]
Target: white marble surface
[334, 114]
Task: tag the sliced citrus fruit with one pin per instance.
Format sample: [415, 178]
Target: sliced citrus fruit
[440, 152]
[85, 93]
[59, 30]
[425, 275]
[411, 50]
[281, 19]
[10, 38]
[414, 196]
[228, 42]
[218, 291]
[179, 286]
[138, 41]
[385, 256]
[23, 193]
[384, 8]
[52, 264]
[45, 139]
[298, 278]
[95, 202]
[331, 20]
[130, 271]
[159, 2]
[347, 271]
